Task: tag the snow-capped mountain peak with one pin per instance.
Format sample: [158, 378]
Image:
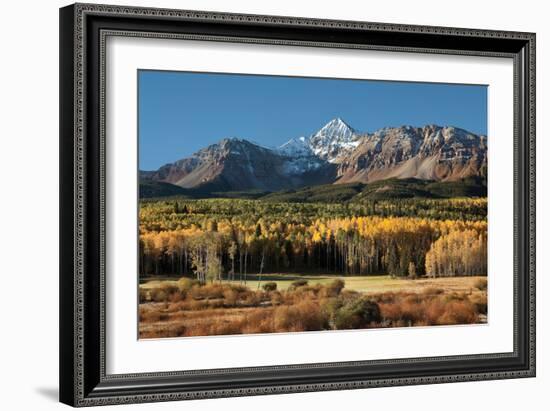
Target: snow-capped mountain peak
[336, 128]
[333, 140]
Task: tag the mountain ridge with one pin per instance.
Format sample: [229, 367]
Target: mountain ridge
[336, 154]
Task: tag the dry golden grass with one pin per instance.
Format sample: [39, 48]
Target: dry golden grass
[372, 284]
[224, 309]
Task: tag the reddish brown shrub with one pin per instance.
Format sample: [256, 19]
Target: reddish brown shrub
[458, 312]
[259, 321]
[390, 311]
[276, 298]
[411, 312]
[230, 297]
[194, 305]
[385, 298]
[251, 299]
[433, 291]
[304, 316]
[175, 297]
[433, 310]
[158, 295]
[213, 291]
[455, 297]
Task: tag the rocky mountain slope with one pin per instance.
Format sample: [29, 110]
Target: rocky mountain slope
[428, 153]
[235, 164]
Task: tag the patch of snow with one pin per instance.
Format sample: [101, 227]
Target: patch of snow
[301, 165]
[295, 147]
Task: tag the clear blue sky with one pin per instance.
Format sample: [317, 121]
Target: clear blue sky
[180, 112]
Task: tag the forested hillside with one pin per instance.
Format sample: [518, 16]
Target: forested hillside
[379, 190]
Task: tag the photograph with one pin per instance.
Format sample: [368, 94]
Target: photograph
[277, 204]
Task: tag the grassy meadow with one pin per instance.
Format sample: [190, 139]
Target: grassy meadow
[364, 284]
[290, 303]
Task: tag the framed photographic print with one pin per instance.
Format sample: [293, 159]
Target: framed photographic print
[260, 204]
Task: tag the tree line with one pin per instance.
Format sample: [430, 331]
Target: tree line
[220, 239]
